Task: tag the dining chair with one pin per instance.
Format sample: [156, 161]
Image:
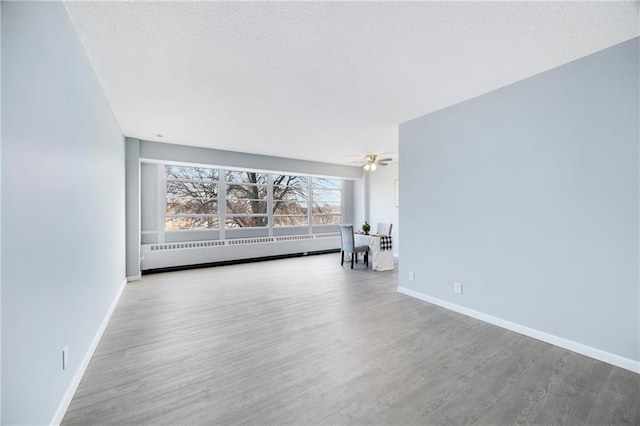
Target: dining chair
[348, 246]
[384, 228]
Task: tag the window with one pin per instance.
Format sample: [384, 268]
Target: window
[327, 201]
[246, 199]
[191, 198]
[290, 200]
[251, 199]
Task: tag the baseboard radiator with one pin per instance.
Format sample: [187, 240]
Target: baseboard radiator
[157, 256]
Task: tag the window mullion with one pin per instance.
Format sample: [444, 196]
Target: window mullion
[222, 203]
[162, 202]
[270, 204]
[310, 204]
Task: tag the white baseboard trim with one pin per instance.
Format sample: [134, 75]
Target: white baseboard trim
[134, 278]
[600, 355]
[71, 390]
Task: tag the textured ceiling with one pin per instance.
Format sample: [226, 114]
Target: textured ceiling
[318, 80]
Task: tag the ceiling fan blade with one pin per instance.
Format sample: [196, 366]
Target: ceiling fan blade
[385, 159]
[380, 163]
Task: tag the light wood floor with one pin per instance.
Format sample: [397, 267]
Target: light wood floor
[304, 341]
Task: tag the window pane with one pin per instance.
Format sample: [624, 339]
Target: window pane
[177, 189]
[288, 180]
[331, 195]
[245, 177]
[192, 173]
[290, 220]
[293, 193]
[326, 183]
[191, 198]
[290, 200]
[327, 201]
[290, 207]
[190, 222]
[191, 206]
[334, 208]
[251, 192]
[244, 198]
[246, 221]
[246, 207]
[333, 219]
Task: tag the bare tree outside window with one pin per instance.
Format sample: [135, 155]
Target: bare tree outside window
[246, 199]
[327, 201]
[192, 199]
[290, 200]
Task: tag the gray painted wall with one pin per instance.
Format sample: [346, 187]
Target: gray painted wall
[149, 197]
[63, 248]
[132, 182]
[529, 196]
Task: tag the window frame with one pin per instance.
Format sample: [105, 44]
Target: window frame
[221, 186]
[340, 203]
[302, 185]
[223, 172]
[213, 182]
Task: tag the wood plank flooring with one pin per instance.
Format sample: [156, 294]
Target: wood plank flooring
[305, 341]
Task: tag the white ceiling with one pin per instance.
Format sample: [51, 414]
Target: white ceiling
[318, 80]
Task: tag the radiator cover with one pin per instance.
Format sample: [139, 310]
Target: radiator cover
[167, 255]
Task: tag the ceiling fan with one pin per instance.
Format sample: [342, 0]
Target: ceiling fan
[371, 161]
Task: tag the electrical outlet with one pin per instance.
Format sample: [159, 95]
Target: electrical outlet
[457, 288]
[412, 276]
[65, 357]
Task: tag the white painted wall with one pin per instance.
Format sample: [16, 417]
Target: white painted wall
[382, 202]
[529, 196]
[63, 220]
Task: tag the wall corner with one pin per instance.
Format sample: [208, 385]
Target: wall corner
[132, 206]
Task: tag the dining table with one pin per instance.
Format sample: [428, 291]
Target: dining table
[380, 250]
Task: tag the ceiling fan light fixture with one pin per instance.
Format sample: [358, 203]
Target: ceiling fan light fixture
[372, 161]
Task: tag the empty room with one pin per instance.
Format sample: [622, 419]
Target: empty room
[328, 213]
